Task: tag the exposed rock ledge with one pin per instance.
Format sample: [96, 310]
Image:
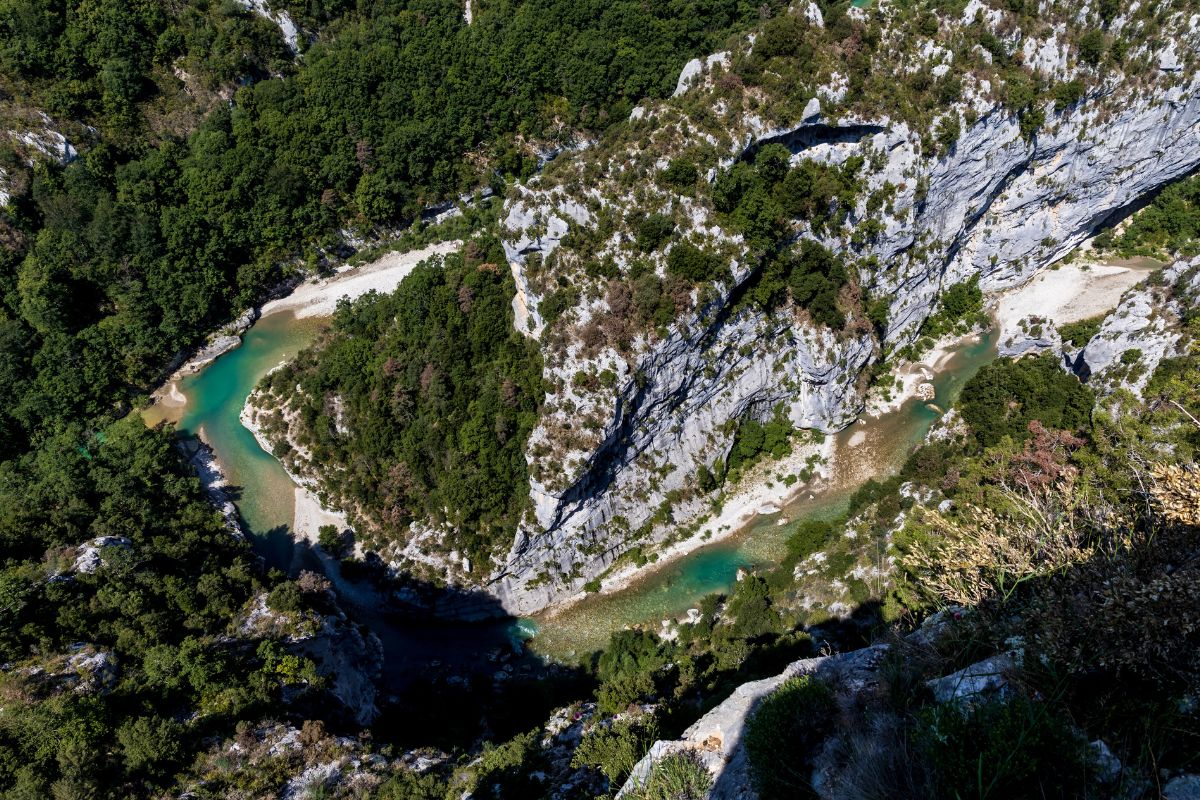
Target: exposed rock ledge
[1143, 330]
[717, 737]
[998, 206]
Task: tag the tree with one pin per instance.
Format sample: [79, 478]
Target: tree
[1091, 47]
[1003, 397]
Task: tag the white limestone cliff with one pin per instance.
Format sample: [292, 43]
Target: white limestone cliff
[996, 204]
[1142, 331]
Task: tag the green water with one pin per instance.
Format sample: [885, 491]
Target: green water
[265, 495]
[671, 590]
[265, 498]
[262, 490]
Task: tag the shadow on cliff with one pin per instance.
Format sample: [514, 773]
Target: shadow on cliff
[445, 682]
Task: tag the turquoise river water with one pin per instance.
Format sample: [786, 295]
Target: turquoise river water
[264, 494]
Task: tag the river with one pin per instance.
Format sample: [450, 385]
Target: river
[264, 494]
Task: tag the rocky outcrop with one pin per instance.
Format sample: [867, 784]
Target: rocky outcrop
[716, 738]
[865, 725]
[281, 19]
[856, 678]
[86, 669]
[212, 480]
[90, 555]
[1142, 331]
[998, 204]
[1033, 335]
[229, 337]
[348, 658]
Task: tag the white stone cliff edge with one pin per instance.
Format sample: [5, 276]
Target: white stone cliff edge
[997, 205]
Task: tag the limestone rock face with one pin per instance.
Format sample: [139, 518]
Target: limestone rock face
[996, 205]
[631, 421]
[1033, 335]
[1141, 332]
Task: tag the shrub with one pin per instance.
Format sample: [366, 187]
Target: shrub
[690, 262]
[1091, 47]
[809, 537]
[1001, 749]
[750, 607]
[1080, 333]
[653, 231]
[1067, 94]
[960, 307]
[680, 173]
[618, 693]
[285, 598]
[782, 735]
[615, 749]
[679, 776]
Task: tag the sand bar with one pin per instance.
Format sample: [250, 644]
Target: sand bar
[319, 298]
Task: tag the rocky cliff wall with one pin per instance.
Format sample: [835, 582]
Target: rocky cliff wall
[996, 204]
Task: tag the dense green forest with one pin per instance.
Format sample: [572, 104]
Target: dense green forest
[440, 392]
[115, 672]
[211, 163]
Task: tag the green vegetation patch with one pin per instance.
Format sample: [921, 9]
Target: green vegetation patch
[679, 776]
[439, 394]
[959, 309]
[782, 736]
[1080, 333]
[1005, 747]
[1006, 395]
[1169, 226]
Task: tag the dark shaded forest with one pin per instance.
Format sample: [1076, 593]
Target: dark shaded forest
[211, 163]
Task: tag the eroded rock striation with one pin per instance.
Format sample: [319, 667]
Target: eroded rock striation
[1000, 202]
[1142, 331]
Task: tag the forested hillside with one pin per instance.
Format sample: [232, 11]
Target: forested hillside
[163, 165]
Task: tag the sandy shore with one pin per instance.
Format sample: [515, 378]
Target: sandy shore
[1070, 293]
[310, 516]
[319, 298]
[913, 375]
[759, 493]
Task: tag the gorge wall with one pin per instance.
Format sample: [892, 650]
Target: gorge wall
[997, 203]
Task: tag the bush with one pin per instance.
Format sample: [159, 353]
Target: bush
[1091, 47]
[1003, 397]
[1067, 94]
[1001, 749]
[782, 735]
[615, 749]
[750, 607]
[680, 174]
[1131, 356]
[285, 598]
[698, 266]
[755, 438]
[679, 776]
[809, 537]
[653, 231]
[1080, 333]
[618, 693]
